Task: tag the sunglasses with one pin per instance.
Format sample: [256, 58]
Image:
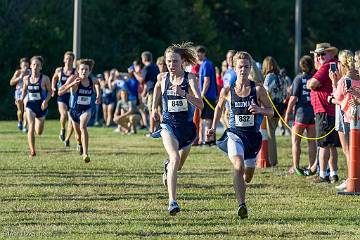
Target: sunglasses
[321, 54]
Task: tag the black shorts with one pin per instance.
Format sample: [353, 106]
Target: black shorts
[324, 124]
[208, 112]
[305, 115]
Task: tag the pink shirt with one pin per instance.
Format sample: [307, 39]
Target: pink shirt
[341, 95]
[319, 95]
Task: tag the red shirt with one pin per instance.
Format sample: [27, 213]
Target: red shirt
[319, 95]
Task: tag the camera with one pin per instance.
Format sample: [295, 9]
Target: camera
[333, 67]
[348, 83]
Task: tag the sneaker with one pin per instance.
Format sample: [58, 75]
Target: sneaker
[299, 171]
[334, 179]
[308, 172]
[20, 126]
[79, 149]
[25, 130]
[319, 179]
[67, 143]
[342, 186]
[242, 211]
[173, 208]
[62, 135]
[86, 158]
[164, 178]
[116, 130]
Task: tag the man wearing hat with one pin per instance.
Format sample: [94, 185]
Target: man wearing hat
[321, 87]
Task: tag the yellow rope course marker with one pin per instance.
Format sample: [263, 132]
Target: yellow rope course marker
[208, 103]
[282, 120]
[297, 134]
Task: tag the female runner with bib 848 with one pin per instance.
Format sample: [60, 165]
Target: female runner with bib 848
[180, 95]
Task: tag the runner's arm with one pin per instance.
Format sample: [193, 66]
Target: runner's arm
[194, 98]
[15, 78]
[224, 94]
[70, 82]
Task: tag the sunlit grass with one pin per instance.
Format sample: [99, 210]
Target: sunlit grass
[120, 194]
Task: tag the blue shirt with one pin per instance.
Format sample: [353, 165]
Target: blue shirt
[132, 86]
[207, 70]
[229, 77]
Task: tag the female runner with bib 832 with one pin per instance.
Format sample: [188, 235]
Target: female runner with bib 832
[38, 89]
[242, 141]
[180, 95]
[81, 89]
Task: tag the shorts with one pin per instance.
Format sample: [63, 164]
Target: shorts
[149, 101]
[340, 124]
[36, 108]
[18, 93]
[185, 133]
[76, 114]
[245, 144]
[304, 116]
[65, 99]
[108, 100]
[325, 124]
[208, 112]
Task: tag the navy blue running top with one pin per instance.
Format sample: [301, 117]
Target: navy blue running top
[176, 109]
[35, 93]
[81, 99]
[241, 119]
[63, 77]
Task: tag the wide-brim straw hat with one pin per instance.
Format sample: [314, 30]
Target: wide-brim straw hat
[325, 47]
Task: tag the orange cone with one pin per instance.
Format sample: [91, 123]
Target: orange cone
[263, 156]
[353, 181]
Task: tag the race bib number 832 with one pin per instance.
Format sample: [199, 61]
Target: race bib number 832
[244, 120]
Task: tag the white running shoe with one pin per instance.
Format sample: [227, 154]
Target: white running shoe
[342, 186]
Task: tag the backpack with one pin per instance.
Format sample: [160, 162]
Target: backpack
[278, 93]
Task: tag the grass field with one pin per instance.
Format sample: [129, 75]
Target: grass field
[120, 194]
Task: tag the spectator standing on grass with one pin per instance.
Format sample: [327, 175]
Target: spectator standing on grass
[242, 141]
[148, 76]
[321, 88]
[180, 95]
[276, 86]
[108, 98]
[300, 104]
[208, 94]
[341, 98]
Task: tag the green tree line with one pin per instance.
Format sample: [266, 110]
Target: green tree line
[115, 32]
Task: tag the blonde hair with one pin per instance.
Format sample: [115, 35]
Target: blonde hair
[39, 58]
[346, 58]
[357, 59]
[85, 61]
[70, 54]
[160, 60]
[255, 73]
[185, 50]
[242, 55]
[270, 66]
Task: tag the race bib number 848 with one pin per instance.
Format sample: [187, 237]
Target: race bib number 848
[178, 105]
[244, 120]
